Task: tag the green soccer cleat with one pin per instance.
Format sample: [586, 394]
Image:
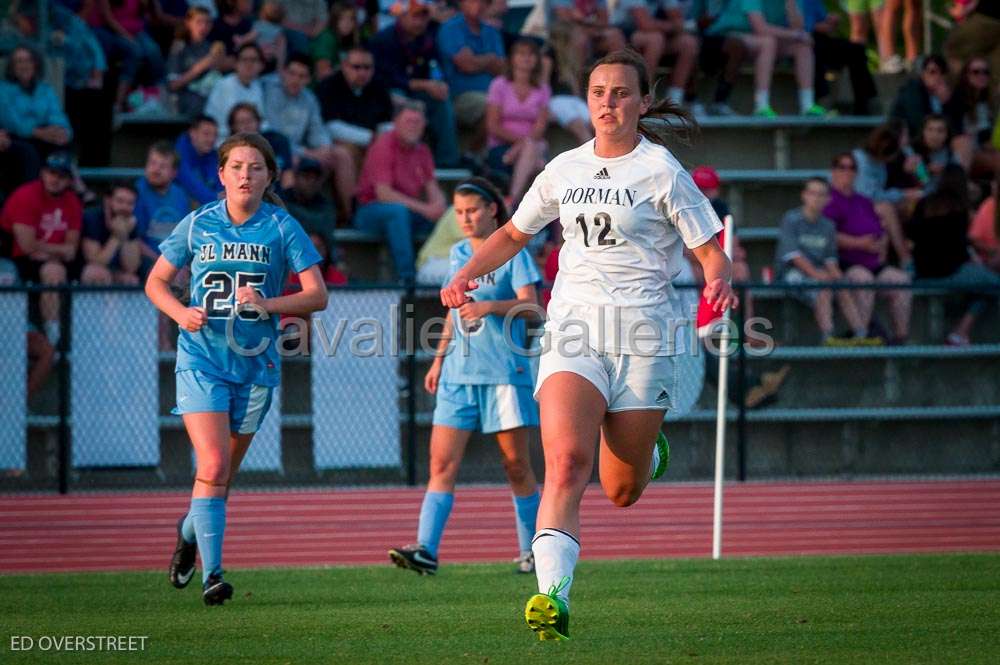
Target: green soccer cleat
[765, 112]
[661, 456]
[548, 615]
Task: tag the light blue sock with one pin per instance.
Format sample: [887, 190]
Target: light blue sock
[434, 514]
[209, 516]
[187, 528]
[526, 508]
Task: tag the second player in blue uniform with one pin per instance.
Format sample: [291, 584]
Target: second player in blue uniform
[483, 381]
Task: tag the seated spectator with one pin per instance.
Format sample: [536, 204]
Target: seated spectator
[971, 111]
[290, 108]
[271, 35]
[471, 55]
[84, 64]
[243, 85]
[833, 53]
[245, 118]
[588, 24]
[933, 149]
[883, 145]
[160, 202]
[807, 253]
[975, 35]
[985, 229]
[120, 27]
[862, 245]
[234, 26]
[432, 259]
[406, 63]
[305, 200]
[940, 232]
[769, 32]
[31, 109]
[44, 218]
[397, 193]
[304, 21]
[195, 64]
[517, 115]
[353, 105]
[922, 95]
[198, 171]
[719, 55]
[339, 36]
[657, 29]
[110, 244]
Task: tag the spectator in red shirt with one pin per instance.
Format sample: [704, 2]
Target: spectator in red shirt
[397, 193]
[110, 246]
[44, 217]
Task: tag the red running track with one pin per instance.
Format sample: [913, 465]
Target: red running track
[316, 528]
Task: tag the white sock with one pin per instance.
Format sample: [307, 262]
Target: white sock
[676, 95]
[806, 99]
[761, 99]
[555, 553]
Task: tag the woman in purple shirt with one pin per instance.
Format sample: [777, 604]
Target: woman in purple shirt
[863, 244]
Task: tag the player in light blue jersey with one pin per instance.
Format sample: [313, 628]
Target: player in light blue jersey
[481, 382]
[239, 250]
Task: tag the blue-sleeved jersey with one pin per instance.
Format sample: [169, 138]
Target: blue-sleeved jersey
[224, 257]
[482, 353]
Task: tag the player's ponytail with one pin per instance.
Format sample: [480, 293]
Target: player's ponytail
[488, 192]
[664, 122]
[261, 145]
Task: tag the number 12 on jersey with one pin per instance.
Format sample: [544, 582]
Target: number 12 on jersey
[602, 220]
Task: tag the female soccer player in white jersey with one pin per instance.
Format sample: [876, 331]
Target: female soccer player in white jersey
[607, 374]
[240, 250]
[481, 382]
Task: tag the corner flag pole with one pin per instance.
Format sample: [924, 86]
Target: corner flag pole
[720, 415]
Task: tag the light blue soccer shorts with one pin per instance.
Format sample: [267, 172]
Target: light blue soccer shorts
[246, 405]
[488, 408]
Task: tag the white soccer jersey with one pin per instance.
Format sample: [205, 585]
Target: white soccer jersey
[622, 219]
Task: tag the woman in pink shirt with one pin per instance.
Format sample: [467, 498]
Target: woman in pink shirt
[517, 112]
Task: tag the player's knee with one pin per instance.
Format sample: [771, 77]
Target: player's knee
[444, 468]
[517, 469]
[623, 495]
[566, 470]
[213, 471]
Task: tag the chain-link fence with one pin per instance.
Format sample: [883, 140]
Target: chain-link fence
[352, 410]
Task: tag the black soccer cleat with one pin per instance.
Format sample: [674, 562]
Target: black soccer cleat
[414, 557]
[216, 590]
[182, 562]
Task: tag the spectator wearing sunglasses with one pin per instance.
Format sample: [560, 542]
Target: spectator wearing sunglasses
[351, 102]
[862, 243]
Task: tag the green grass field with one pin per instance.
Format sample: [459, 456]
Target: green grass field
[898, 609]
